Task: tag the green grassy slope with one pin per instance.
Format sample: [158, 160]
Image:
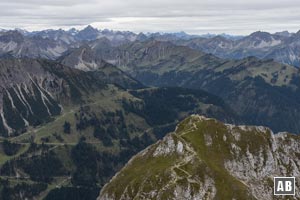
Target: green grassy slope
[110, 126]
[193, 163]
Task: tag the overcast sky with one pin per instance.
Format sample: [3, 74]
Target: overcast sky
[192, 16]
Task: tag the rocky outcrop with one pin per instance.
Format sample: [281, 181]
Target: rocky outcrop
[18, 45]
[27, 95]
[32, 91]
[85, 59]
[206, 159]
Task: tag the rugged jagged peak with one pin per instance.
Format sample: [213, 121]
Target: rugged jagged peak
[141, 37]
[264, 36]
[219, 42]
[84, 58]
[206, 159]
[11, 36]
[282, 46]
[90, 28]
[56, 35]
[258, 40]
[22, 31]
[284, 33]
[88, 33]
[72, 31]
[260, 34]
[33, 46]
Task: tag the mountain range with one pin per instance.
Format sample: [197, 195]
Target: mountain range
[281, 46]
[262, 92]
[76, 105]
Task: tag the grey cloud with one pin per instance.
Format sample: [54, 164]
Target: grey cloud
[194, 16]
[47, 2]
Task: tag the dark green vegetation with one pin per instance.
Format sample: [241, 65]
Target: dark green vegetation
[73, 193]
[9, 148]
[34, 90]
[71, 169]
[263, 92]
[69, 125]
[13, 191]
[168, 102]
[105, 120]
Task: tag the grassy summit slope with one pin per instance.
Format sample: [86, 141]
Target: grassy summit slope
[206, 159]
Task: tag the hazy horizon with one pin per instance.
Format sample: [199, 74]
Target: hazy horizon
[193, 17]
[136, 32]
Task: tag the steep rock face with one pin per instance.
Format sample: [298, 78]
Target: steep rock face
[206, 159]
[27, 95]
[18, 45]
[82, 58]
[85, 59]
[32, 91]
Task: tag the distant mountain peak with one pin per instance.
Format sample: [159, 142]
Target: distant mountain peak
[219, 37]
[141, 37]
[12, 35]
[88, 33]
[90, 28]
[283, 33]
[261, 34]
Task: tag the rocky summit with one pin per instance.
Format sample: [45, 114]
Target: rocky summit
[206, 159]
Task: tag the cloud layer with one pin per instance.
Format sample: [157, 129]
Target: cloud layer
[192, 16]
